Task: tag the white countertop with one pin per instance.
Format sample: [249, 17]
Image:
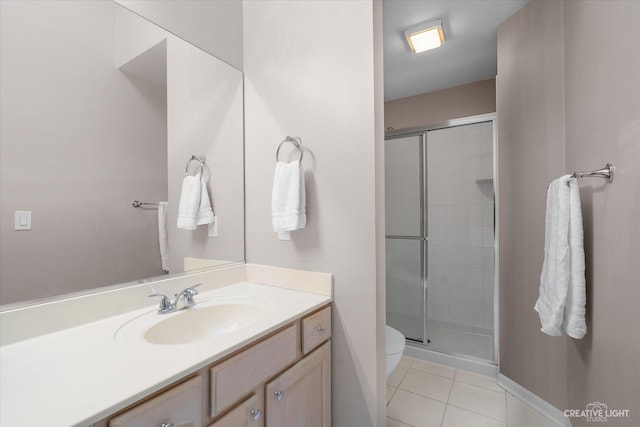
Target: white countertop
[80, 375]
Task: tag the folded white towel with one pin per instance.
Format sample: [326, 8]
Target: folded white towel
[195, 207]
[288, 199]
[562, 283]
[162, 235]
[189, 202]
[205, 213]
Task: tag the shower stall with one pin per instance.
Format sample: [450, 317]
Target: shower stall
[440, 236]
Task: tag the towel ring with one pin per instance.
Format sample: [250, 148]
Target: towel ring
[296, 141]
[200, 159]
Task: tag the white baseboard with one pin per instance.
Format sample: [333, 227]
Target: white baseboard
[538, 404]
[481, 368]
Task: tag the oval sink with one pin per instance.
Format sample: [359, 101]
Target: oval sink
[209, 319]
[201, 324]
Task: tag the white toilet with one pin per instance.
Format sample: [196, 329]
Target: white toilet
[395, 348]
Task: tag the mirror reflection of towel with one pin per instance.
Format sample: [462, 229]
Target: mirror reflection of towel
[189, 202]
[163, 237]
[205, 213]
[195, 207]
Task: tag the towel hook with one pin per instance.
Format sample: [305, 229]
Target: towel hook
[200, 159]
[296, 141]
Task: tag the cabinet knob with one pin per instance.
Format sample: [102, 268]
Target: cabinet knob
[278, 394]
[255, 413]
[322, 329]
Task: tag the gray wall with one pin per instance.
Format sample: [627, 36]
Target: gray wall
[326, 88]
[568, 99]
[213, 26]
[72, 154]
[602, 98]
[427, 108]
[530, 106]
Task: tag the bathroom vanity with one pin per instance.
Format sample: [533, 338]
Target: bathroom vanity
[288, 373]
[256, 351]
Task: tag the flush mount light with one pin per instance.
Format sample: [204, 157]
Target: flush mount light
[425, 36]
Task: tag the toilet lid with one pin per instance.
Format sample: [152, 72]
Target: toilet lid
[395, 341]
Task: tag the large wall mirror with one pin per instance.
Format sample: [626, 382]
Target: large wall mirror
[98, 108]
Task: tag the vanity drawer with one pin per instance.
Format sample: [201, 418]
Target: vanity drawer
[249, 413]
[233, 378]
[179, 405]
[316, 329]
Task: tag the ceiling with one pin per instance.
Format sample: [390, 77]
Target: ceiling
[468, 54]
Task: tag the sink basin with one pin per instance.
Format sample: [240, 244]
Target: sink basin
[202, 324]
[206, 321]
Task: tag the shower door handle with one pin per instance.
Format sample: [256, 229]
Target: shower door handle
[425, 261]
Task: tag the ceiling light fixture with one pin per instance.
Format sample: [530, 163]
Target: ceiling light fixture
[425, 36]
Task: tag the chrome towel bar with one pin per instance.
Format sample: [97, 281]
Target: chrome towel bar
[138, 204]
[606, 173]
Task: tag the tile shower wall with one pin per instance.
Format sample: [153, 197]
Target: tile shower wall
[460, 207]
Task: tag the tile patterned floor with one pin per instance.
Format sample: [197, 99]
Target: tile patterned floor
[423, 394]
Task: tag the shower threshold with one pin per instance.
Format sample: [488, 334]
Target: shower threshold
[427, 352]
[461, 343]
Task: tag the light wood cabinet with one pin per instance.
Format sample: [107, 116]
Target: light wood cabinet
[301, 396]
[316, 329]
[239, 375]
[178, 406]
[249, 413]
[282, 380]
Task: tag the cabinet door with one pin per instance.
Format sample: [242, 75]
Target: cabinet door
[301, 396]
[246, 414]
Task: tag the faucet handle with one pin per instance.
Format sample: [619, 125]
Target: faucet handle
[165, 303]
[189, 293]
[191, 290]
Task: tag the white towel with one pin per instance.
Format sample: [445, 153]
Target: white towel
[575, 324]
[163, 236]
[288, 199]
[205, 213]
[189, 202]
[195, 207]
[562, 282]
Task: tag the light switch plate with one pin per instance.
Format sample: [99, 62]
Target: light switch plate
[213, 228]
[22, 220]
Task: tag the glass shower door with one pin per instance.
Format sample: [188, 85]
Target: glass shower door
[405, 239]
[460, 207]
[440, 290]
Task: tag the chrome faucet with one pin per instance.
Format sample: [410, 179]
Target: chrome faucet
[185, 296]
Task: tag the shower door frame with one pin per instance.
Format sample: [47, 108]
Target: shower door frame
[423, 238]
[422, 132]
